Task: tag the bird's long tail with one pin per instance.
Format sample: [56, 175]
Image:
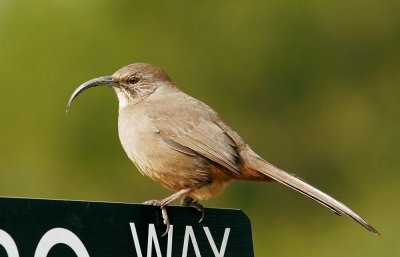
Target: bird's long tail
[257, 163]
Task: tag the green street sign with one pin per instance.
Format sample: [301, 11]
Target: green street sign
[58, 228]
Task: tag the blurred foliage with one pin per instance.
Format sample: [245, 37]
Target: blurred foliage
[313, 86]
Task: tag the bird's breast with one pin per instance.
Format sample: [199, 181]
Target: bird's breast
[135, 131]
[154, 157]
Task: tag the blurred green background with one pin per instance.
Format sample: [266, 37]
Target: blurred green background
[313, 86]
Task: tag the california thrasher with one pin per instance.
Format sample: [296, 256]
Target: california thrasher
[183, 144]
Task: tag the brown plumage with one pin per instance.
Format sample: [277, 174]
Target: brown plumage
[184, 145]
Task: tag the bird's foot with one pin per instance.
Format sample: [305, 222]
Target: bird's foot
[164, 213]
[189, 202]
[163, 205]
[153, 202]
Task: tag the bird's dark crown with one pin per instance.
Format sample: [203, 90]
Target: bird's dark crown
[143, 71]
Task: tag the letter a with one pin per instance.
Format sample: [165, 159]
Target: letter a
[189, 233]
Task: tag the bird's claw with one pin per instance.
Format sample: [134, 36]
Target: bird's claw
[164, 213]
[189, 202]
[199, 208]
[165, 219]
[153, 202]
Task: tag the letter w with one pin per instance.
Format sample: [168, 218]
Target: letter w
[152, 237]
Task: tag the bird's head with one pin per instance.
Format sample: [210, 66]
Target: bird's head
[132, 83]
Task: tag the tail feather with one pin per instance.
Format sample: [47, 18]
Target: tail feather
[310, 191]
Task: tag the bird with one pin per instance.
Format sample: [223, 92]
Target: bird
[184, 145]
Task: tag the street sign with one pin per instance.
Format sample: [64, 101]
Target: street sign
[58, 228]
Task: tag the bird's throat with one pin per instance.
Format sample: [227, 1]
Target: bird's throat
[123, 98]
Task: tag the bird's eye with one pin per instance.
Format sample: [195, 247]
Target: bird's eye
[133, 79]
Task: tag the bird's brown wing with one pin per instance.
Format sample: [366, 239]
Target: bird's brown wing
[193, 130]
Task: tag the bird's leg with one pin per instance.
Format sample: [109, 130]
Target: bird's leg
[163, 205]
[189, 201]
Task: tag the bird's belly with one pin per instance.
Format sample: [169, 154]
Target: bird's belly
[157, 160]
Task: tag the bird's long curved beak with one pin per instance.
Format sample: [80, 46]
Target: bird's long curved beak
[101, 81]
